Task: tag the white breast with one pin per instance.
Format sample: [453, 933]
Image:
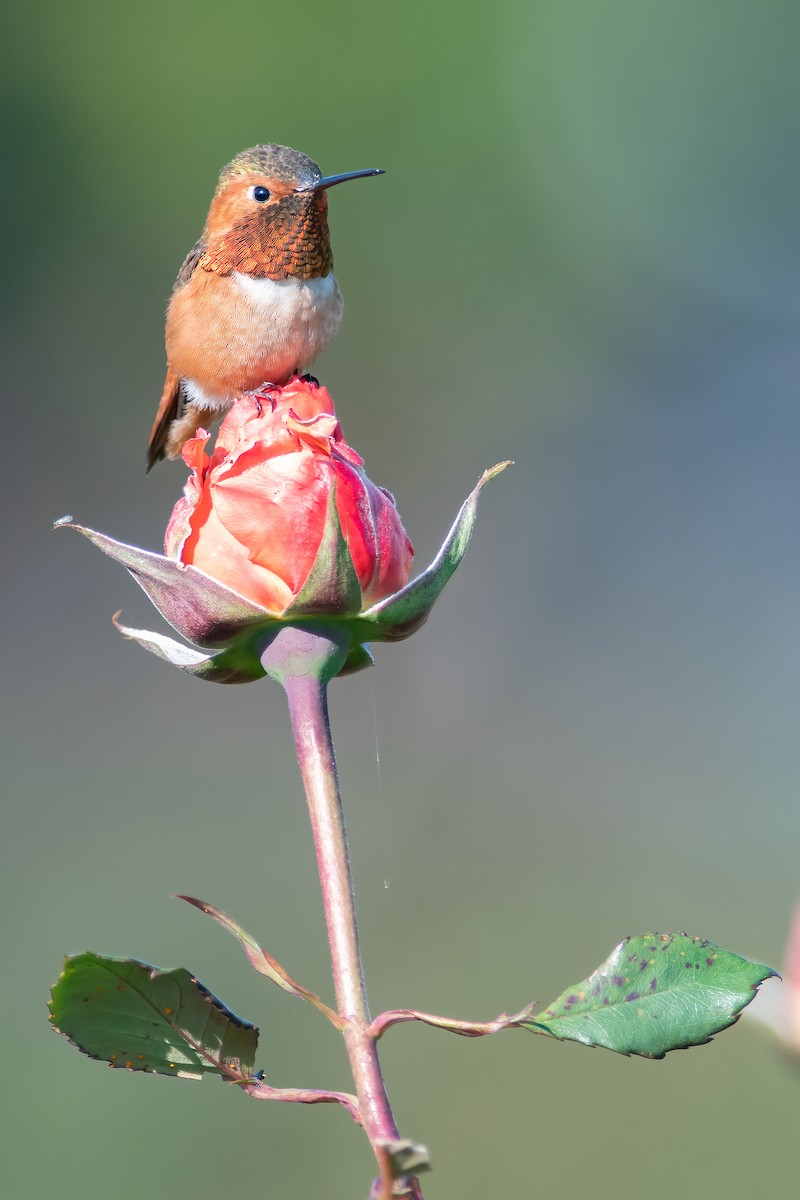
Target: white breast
[271, 328]
[299, 316]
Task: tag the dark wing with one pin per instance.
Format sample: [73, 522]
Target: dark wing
[168, 410]
[189, 263]
[171, 397]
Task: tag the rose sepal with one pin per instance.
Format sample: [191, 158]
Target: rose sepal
[400, 615]
[199, 608]
[331, 586]
[235, 664]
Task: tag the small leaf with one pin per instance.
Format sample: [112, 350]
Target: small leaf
[143, 1019]
[263, 962]
[655, 993]
[406, 1157]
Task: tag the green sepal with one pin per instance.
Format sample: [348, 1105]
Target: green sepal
[331, 587]
[237, 663]
[140, 1018]
[402, 614]
[655, 993]
[201, 609]
[358, 659]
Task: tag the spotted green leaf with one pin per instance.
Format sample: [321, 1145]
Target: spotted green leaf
[655, 993]
[143, 1019]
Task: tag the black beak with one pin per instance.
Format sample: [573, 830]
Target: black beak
[329, 181]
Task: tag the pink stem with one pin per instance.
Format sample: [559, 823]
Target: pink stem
[303, 665]
[308, 708]
[262, 1091]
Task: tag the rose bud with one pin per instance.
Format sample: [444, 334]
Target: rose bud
[280, 527]
[256, 512]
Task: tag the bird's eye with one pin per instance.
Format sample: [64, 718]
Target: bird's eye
[260, 194]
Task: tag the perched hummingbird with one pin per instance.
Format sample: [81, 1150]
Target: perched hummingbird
[256, 299]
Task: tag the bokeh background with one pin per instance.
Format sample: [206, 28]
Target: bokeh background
[584, 255]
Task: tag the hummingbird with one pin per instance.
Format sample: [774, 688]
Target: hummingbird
[256, 299]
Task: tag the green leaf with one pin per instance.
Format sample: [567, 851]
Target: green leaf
[143, 1019]
[655, 993]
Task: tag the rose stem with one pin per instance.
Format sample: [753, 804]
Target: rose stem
[303, 661]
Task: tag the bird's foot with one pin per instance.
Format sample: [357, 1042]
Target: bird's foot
[264, 390]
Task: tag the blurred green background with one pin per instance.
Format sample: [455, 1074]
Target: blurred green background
[585, 256]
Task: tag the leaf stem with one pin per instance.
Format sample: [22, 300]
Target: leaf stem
[260, 1090]
[397, 1016]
